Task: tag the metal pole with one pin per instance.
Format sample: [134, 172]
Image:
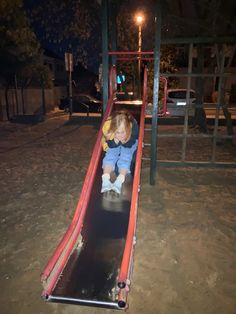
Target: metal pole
[43, 110]
[16, 94]
[104, 54]
[139, 59]
[218, 107]
[185, 131]
[113, 30]
[153, 163]
[70, 92]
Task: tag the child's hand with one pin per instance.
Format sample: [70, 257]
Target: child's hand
[116, 140]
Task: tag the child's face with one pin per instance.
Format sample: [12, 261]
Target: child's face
[120, 133]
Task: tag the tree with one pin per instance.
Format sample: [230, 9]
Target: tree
[224, 55]
[19, 48]
[72, 26]
[18, 45]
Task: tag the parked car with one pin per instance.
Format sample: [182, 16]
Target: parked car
[81, 103]
[176, 102]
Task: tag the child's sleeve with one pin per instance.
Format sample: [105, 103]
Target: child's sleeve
[104, 144]
[107, 143]
[104, 132]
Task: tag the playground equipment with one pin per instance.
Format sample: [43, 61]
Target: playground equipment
[92, 265]
[144, 56]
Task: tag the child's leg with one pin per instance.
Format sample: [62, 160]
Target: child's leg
[117, 185]
[106, 183]
[125, 158]
[124, 163]
[110, 159]
[108, 165]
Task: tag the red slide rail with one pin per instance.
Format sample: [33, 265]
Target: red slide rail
[124, 275]
[132, 55]
[65, 247]
[143, 55]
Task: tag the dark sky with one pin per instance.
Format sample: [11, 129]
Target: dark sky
[175, 16]
[84, 51]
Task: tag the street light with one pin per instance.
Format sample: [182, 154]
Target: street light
[139, 17]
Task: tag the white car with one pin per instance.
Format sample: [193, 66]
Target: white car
[176, 102]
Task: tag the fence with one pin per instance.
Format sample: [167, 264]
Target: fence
[29, 101]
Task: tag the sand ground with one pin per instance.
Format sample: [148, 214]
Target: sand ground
[185, 257]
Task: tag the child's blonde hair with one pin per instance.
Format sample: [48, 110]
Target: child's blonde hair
[117, 118]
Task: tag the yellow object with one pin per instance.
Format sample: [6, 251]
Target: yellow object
[105, 130]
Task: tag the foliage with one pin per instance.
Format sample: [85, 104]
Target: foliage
[69, 25]
[36, 74]
[19, 47]
[20, 53]
[199, 18]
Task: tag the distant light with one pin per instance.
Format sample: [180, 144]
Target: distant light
[139, 18]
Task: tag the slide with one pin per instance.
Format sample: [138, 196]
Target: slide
[92, 264]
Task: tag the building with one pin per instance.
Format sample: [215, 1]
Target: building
[56, 65]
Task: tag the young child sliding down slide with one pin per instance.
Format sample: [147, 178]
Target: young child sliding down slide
[120, 140]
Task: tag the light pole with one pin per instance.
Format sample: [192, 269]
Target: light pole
[139, 20]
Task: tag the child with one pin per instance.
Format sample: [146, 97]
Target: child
[120, 132]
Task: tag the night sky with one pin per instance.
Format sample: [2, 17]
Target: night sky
[176, 16]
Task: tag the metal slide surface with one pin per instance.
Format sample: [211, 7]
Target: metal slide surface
[91, 272]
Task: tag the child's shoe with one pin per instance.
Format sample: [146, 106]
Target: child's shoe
[117, 185]
[106, 183]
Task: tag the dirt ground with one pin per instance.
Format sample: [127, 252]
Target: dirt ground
[185, 257]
